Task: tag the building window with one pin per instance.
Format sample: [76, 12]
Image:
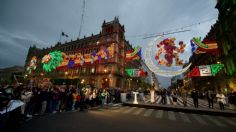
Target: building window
[108, 39]
[98, 42]
[120, 51]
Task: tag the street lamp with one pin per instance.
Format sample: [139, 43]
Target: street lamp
[129, 79]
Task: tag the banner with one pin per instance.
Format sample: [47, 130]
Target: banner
[205, 70]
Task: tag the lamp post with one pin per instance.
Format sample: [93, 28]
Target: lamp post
[129, 80]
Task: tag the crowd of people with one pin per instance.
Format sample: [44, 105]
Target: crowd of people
[39, 101]
[211, 97]
[218, 97]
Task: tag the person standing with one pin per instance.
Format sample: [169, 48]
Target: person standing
[74, 98]
[184, 95]
[174, 97]
[210, 99]
[25, 97]
[103, 97]
[152, 95]
[163, 96]
[221, 99]
[82, 99]
[194, 95]
[44, 98]
[63, 97]
[232, 100]
[55, 100]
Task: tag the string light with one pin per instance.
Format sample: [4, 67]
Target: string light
[175, 30]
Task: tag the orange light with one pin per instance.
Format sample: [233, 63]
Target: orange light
[82, 81]
[105, 70]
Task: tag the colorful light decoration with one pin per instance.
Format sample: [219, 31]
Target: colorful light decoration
[130, 72]
[215, 68]
[52, 60]
[156, 69]
[71, 64]
[199, 43]
[142, 73]
[134, 54]
[206, 70]
[33, 64]
[200, 47]
[136, 72]
[171, 51]
[78, 59]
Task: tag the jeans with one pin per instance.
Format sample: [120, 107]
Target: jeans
[195, 101]
[221, 106]
[73, 105]
[210, 103]
[44, 106]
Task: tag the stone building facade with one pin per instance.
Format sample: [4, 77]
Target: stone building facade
[106, 73]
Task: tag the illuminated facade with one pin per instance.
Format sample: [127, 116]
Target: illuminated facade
[98, 60]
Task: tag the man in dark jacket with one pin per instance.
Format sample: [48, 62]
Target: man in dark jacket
[194, 95]
[210, 98]
[44, 99]
[163, 96]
